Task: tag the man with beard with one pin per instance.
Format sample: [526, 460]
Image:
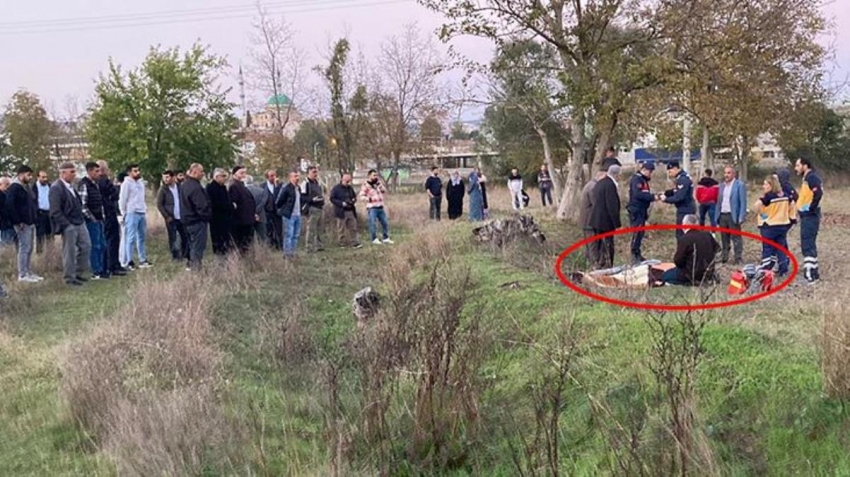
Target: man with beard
[41, 188]
[66, 215]
[21, 209]
[343, 198]
[196, 213]
[92, 202]
[131, 201]
[168, 204]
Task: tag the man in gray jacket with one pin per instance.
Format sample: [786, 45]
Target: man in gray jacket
[261, 198]
[66, 215]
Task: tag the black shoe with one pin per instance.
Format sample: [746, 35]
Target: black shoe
[74, 283]
[120, 269]
[82, 279]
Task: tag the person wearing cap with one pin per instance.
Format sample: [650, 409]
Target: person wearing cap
[682, 194]
[605, 215]
[66, 215]
[640, 198]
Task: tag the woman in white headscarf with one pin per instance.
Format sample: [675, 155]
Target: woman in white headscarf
[455, 190]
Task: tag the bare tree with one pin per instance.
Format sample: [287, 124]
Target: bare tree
[277, 69]
[405, 92]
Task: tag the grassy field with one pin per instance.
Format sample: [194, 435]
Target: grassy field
[479, 361]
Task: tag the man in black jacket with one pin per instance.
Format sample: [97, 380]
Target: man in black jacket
[7, 233]
[168, 205]
[696, 253]
[244, 212]
[343, 197]
[67, 219]
[289, 209]
[22, 211]
[196, 213]
[92, 201]
[605, 216]
[274, 231]
[111, 227]
[314, 203]
[222, 213]
[434, 188]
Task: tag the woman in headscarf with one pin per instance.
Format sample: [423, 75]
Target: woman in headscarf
[455, 190]
[476, 202]
[222, 212]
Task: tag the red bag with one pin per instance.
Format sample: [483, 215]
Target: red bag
[707, 195]
[738, 283]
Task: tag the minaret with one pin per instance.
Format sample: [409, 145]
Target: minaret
[242, 98]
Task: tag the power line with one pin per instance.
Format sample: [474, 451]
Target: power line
[132, 21]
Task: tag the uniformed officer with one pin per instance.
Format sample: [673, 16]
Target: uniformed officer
[640, 198]
[682, 194]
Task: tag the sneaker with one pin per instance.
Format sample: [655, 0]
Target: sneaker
[388, 241]
[376, 242]
[96, 277]
[36, 277]
[130, 268]
[119, 273]
[357, 245]
[27, 279]
[812, 283]
[145, 264]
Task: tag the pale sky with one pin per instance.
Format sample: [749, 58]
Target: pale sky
[61, 64]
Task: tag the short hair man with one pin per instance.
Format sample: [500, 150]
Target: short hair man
[605, 216]
[66, 214]
[134, 209]
[195, 214]
[221, 223]
[314, 197]
[261, 198]
[434, 189]
[22, 211]
[92, 202]
[640, 198]
[681, 195]
[344, 198]
[244, 210]
[808, 209]
[695, 255]
[169, 207]
[706, 195]
[730, 213]
[111, 227]
[289, 209]
[372, 192]
[592, 249]
[41, 189]
[274, 229]
[544, 182]
[7, 232]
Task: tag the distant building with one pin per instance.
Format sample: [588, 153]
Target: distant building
[266, 121]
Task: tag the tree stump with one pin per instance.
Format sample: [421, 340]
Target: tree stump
[500, 232]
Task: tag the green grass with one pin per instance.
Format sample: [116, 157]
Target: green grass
[759, 390]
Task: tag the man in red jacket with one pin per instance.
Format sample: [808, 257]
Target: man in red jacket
[706, 196]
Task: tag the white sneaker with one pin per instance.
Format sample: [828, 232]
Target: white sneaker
[27, 280]
[145, 265]
[386, 240]
[376, 242]
[36, 277]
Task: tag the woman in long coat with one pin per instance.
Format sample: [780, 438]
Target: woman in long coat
[476, 200]
[222, 213]
[455, 190]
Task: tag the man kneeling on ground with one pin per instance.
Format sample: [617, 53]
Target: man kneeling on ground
[696, 253]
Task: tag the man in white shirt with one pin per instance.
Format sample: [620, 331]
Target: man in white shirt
[131, 202]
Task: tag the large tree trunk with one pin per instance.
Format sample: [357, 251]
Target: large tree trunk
[569, 207]
[706, 153]
[547, 159]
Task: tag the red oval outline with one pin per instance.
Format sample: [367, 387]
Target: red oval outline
[662, 307]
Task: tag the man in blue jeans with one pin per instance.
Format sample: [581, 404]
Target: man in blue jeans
[372, 192]
[131, 201]
[92, 201]
[288, 206]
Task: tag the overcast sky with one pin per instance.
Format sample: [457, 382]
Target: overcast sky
[45, 49]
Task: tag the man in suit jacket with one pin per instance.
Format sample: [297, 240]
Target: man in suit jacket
[66, 216]
[730, 213]
[168, 204]
[261, 197]
[605, 216]
[274, 230]
[244, 210]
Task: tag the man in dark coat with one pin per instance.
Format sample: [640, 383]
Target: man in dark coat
[605, 216]
[196, 212]
[696, 254]
[222, 213]
[67, 219]
[434, 189]
[314, 203]
[245, 211]
[455, 189]
[640, 198]
[22, 211]
[681, 195]
[261, 198]
[274, 229]
[111, 227]
[343, 198]
[168, 204]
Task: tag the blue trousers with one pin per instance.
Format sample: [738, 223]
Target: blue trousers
[291, 232]
[135, 229]
[378, 215]
[98, 248]
[637, 219]
[769, 254]
[674, 277]
[707, 209]
[809, 226]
